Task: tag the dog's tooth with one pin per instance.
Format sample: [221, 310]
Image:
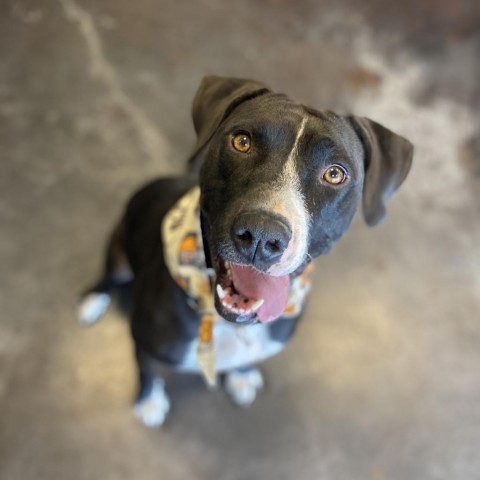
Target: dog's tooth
[257, 304]
[225, 303]
[221, 292]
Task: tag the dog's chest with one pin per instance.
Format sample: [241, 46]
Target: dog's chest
[235, 346]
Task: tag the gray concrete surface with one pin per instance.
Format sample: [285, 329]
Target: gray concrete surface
[383, 380]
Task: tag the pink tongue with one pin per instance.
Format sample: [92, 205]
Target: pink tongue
[256, 285]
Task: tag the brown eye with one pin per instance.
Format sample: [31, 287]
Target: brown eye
[335, 175]
[242, 142]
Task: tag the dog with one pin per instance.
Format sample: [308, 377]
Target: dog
[272, 184]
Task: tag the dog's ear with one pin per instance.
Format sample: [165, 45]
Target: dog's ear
[215, 99]
[388, 158]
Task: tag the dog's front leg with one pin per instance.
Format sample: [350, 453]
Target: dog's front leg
[242, 385]
[152, 404]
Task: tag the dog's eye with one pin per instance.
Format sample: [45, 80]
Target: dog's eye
[241, 142]
[335, 175]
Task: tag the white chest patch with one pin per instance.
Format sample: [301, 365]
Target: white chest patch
[235, 346]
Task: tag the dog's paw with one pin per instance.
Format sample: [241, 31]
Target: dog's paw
[153, 409]
[92, 307]
[242, 386]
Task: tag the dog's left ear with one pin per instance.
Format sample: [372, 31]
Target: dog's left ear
[215, 99]
[388, 158]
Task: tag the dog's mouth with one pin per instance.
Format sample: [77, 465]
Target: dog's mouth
[245, 295]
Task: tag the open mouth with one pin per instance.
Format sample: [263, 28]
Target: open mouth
[245, 295]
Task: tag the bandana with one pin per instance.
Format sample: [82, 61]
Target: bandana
[185, 259]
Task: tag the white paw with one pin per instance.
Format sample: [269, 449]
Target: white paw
[242, 387]
[153, 410]
[92, 307]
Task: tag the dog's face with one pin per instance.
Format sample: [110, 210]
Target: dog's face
[280, 184]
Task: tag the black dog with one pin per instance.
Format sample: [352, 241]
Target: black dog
[279, 184]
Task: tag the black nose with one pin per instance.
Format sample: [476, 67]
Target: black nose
[260, 237]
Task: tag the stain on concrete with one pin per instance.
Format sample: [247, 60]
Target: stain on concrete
[470, 155]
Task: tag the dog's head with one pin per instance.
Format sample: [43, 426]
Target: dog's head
[280, 184]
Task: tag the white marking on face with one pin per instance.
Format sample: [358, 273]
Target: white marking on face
[288, 201]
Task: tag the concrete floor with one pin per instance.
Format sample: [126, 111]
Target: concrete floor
[383, 380]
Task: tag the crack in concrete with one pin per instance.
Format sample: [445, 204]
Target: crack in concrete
[154, 145]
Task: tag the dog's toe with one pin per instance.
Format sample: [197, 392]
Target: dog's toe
[242, 386]
[153, 409]
[92, 307]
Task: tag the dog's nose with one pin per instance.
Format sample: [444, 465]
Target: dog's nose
[260, 238]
